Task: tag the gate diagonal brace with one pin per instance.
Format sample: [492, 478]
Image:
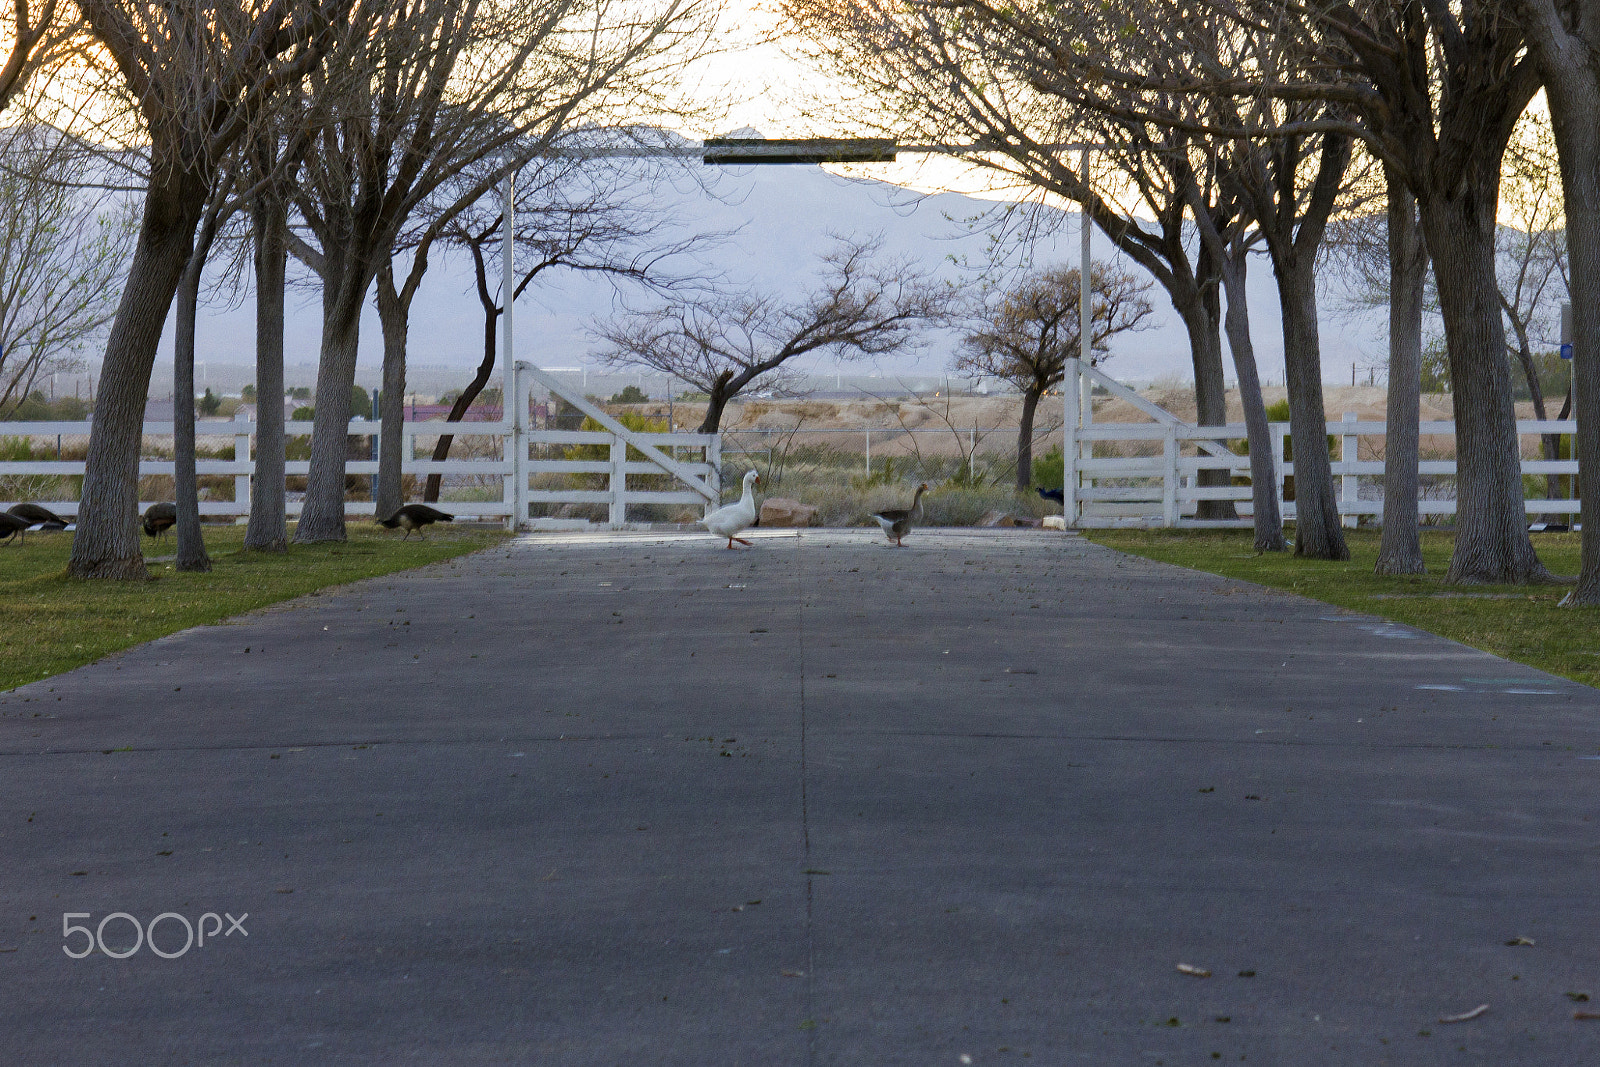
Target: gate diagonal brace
[632, 437]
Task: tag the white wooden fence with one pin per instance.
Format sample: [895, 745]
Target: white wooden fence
[693, 460]
[1163, 490]
[1155, 490]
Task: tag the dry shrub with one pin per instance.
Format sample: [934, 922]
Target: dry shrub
[943, 505]
[156, 487]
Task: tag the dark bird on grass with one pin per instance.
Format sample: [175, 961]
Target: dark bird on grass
[38, 515]
[1058, 495]
[159, 518]
[896, 522]
[11, 526]
[415, 517]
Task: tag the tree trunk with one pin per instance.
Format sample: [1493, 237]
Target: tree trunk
[1268, 520]
[1492, 544]
[1211, 383]
[268, 528]
[1573, 86]
[1030, 404]
[106, 544]
[1549, 443]
[458, 410]
[1582, 189]
[344, 292]
[394, 314]
[1400, 547]
[1530, 373]
[186, 489]
[1318, 534]
[717, 399]
[1202, 320]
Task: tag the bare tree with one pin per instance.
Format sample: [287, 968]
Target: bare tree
[1228, 237]
[1382, 261]
[272, 168]
[1026, 333]
[220, 206]
[574, 212]
[1437, 90]
[1433, 89]
[1532, 260]
[199, 77]
[1400, 547]
[62, 249]
[39, 36]
[1281, 173]
[956, 72]
[722, 343]
[1163, 93]
[436, 88]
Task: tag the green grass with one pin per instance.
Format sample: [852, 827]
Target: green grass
[51, 623]
[1521, 623]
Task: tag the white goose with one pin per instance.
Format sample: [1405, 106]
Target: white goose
[729, 520]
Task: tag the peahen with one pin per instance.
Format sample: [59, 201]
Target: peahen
[415, 517]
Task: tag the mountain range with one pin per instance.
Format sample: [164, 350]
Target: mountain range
[780, 219]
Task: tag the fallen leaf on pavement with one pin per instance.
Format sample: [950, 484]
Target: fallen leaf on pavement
[1465, 1016]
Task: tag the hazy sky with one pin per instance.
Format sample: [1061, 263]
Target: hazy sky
[765, 89]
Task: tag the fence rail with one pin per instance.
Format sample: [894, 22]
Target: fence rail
[536, 467]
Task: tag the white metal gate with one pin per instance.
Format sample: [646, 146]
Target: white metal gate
[699, 478]
[1163, 490]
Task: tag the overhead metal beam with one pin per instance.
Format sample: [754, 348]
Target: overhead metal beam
[743, 151]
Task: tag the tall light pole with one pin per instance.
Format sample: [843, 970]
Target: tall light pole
[1085, 322]
[513, 412]
[746, 151]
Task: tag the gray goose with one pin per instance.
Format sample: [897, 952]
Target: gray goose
[896, 522]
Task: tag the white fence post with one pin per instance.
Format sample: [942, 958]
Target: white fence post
[519, 434]
[1277, 469]
[1169, 468]
[1071, 385]
[617, 482]
[408, 444]
[714, 458]
[509, 490]
[241, 454]
[1349, 484]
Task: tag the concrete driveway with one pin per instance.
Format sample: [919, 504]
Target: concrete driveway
[637, 799]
